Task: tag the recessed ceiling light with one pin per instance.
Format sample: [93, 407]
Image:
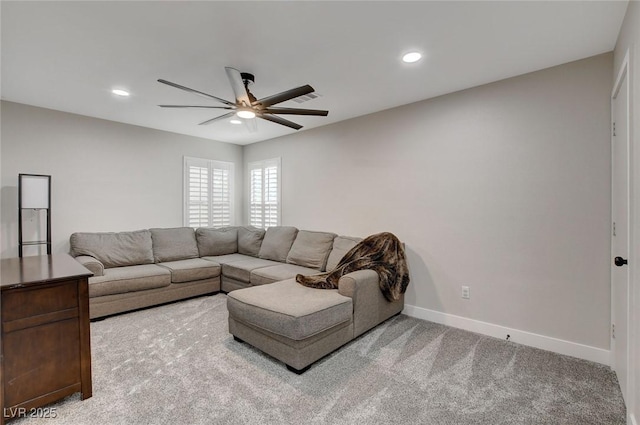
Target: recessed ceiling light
[119, 92]
[246, 114]
[411, 57]
[234, 121]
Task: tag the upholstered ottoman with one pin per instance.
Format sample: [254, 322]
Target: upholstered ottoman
[295, 324]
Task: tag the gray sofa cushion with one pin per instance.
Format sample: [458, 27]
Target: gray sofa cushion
[118, 280]
[178, 243]
[217, 241]
[289, 309]
[311, 249]
[250, 240]
[341, 245]
[241, 270]
[277, 243]
[191, 269]
[114, 249]
[277, 273]
[228, 258]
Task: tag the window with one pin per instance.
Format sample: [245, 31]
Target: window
[208, 193]
[264, 193]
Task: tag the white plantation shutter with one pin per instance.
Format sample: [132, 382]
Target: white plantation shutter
[208, 193]
[255, 193]
[264, 193]
[197, 208]
[221, 192]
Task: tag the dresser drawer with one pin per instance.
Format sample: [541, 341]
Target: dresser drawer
[20, 303]
[53, 365]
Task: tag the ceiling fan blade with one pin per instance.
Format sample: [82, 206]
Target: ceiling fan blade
[281, 121]
[239, 90]
[199, 93]
[265, 102]
[221, 117]
[195, 106]
[295, 111]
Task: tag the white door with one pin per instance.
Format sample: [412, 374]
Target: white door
[620, 234]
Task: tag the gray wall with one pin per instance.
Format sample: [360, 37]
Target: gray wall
[504, 188]
[106, 176]
[629, 39]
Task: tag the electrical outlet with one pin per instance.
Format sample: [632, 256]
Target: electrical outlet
[466, 294]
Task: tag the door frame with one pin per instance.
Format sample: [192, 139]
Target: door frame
[632, 317]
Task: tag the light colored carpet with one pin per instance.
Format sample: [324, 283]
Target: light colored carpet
[177, 364]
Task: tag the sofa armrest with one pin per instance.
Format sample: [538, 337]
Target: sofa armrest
[370, 307]
[94, 265]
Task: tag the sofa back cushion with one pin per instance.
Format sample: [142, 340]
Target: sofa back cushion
[114, 249]
[341, 245]
[219, 241]
[178, 243]
[311, 249]
[277, 243]
[250, 240]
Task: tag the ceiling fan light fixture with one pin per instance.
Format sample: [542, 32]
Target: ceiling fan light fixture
[411, 57]
[120, 92]
[244, 113]
[246, 106]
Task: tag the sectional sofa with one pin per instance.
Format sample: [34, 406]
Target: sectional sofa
[257, 268]
[148, 267]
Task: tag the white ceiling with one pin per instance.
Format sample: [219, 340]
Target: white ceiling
[69, 55]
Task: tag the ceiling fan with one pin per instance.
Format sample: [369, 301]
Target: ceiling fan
[247, 106]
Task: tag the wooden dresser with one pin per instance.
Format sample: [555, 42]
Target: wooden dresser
[45, 351]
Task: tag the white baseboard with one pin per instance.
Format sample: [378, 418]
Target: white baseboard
[560, 346]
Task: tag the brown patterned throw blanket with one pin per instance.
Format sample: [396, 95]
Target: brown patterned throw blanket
[382, 253]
